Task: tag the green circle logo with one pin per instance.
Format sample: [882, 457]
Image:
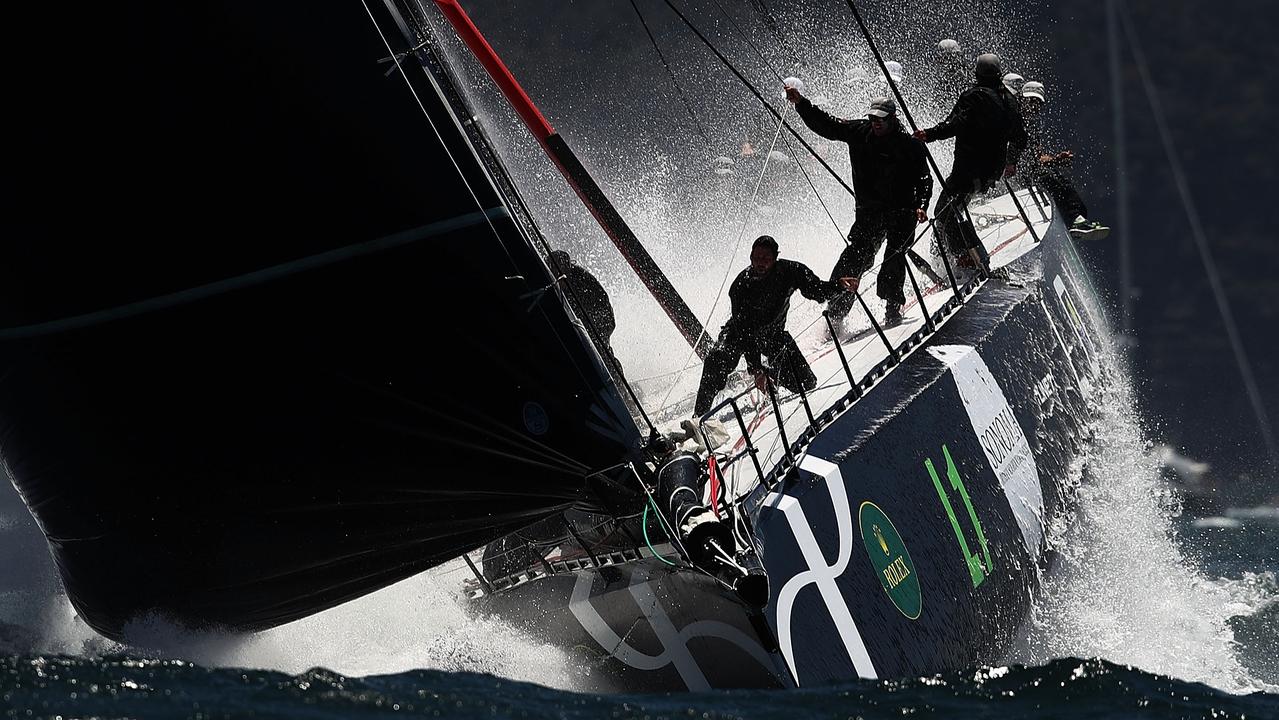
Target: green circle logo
[891, 560]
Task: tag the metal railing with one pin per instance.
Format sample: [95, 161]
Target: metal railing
[792, 451]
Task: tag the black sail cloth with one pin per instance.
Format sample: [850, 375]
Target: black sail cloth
[264, 352]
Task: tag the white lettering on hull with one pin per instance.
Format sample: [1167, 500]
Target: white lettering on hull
[1001, 438]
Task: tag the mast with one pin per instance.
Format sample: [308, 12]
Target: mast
[587, 189]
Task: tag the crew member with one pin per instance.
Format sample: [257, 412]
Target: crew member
[1047, 168]
[985, 122]
[760, 299]
[1014, 83]
[893, 187]
[591, 299]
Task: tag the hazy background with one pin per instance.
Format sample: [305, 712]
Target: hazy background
[1215, 66]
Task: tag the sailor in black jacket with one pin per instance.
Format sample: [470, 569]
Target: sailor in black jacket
[1047, 168]
[893, 187]
[985, 123]
[589, 298]
[760, 298]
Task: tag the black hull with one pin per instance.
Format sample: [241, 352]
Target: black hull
[960, 456]
[869, 576]
[643, 626]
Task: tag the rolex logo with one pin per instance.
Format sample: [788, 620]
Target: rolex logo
[890, 559]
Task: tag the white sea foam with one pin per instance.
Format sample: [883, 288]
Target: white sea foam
[419, 623]
[1121, 588]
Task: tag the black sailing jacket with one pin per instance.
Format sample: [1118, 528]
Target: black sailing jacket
[760, 304]
[889, 172]
[984, 122]
[590, 293]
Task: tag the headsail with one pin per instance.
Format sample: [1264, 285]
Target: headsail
[306, 351]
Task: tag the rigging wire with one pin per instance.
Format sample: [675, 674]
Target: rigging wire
[897, 93]
[741, 232]
[1200, 237]
[770, 22]
[396, 58]
[701, 129]
[777, 74]
[804, 171]
[644, 528]
[750, 43]
[737, 73]
[813, 153]
[782, 124]
[901, 102]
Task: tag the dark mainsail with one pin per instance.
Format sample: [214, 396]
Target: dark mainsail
[267, 342]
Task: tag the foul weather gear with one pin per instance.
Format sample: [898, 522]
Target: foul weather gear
[758, 327]
[891, 180]
[985, 123]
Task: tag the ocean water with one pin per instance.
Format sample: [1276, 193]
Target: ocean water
[117, 686]
[1146, 612]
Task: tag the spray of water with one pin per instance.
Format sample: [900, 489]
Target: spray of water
[1121, 588]
[660, 155]
[420, 623]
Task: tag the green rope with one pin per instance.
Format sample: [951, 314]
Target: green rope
[644, 527]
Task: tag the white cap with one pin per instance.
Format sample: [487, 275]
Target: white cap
[882, 107]
[948, 46]
[1014, 82]
[894, 70]
[1034, 89]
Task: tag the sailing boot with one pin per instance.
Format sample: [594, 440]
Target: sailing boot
[1082, 227]
[892, 314]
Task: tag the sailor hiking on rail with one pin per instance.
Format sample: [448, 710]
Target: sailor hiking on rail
[760, 300]
[985, 123]
[893, 187]
[1046, 168]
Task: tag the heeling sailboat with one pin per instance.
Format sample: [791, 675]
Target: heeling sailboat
[899, 511]
[345, 381]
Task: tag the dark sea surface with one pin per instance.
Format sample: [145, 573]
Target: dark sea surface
[125, 687]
